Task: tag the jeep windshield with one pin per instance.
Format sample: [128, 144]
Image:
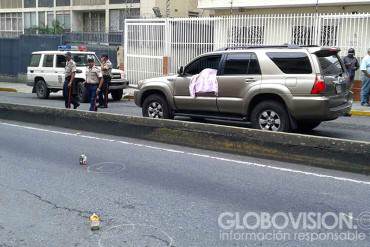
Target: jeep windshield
[81, 59]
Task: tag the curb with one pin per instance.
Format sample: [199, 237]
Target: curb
[360, 113]
[11, 90]
[331, 153]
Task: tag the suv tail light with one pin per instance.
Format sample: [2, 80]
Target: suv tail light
[319, 85]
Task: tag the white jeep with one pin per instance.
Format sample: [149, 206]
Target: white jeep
[46, 73]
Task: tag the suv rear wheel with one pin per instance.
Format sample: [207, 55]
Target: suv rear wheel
[155, 106]
[305, 126]
[270, 115]
[42, 90]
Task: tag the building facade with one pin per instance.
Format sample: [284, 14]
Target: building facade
[226, 7]
[18, 16]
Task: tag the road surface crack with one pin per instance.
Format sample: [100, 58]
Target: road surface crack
[81, 213]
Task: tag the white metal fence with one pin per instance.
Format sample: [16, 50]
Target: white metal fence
[181, 39]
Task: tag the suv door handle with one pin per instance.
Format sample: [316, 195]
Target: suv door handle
[250, 80]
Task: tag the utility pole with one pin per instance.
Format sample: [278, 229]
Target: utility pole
[317, 6]
[168, 8]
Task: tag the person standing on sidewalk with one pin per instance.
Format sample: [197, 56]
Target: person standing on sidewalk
[70, 90]
[365, 89]
[352, 65]
[106, 67]
[94, 82]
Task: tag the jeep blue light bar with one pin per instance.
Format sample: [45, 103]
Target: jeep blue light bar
[72, 48]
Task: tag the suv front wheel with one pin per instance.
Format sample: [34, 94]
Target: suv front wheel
[270, 115]
[155, 106]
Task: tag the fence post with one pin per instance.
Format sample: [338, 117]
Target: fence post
[125, 48]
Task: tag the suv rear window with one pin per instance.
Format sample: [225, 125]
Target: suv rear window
[35, 60]
[291, 62]
[330, 65]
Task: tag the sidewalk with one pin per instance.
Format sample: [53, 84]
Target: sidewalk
[15, 87]
[358, 110]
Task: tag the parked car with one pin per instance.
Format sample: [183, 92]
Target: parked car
[276, 88]
[46, 73]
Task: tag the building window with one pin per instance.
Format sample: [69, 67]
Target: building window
[29, 20]
[302, 35]
[63, 2]
[10, 21]
[329, 35]
[42, 19]
[10, 4]
[50, 19]
[64, 19]
[88, 2]
[30, 3]
[46, 3]
[123, 1]
[94, 22]
[117, 18]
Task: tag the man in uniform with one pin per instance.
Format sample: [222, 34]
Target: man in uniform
[70, 89]
[94, 83]
[106, 67]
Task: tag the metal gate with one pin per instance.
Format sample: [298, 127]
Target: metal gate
[148, 41]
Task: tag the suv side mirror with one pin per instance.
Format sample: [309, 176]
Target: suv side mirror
[78, 71]
[181, 70]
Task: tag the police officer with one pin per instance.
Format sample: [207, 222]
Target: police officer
[70, 90]
[106, 67]
[94, 83]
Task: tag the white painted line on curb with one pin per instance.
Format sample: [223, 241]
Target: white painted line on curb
[194, 154]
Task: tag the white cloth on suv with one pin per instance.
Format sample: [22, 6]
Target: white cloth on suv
[204, 82]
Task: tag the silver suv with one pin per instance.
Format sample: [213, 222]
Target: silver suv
[276, 88]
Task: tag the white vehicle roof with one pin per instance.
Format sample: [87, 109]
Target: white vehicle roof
[63, 52]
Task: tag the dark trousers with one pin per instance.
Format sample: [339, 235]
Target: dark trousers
[103, 94]
[91, 95]
[70, 94]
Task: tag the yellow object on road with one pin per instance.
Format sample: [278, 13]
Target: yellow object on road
[95, 222]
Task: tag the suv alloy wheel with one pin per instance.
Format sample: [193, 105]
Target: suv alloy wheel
[270, 115]
[155, 106]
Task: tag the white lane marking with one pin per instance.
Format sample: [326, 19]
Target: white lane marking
[196, 154]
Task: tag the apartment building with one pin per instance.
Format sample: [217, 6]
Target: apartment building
[226, 7]
[87, 15]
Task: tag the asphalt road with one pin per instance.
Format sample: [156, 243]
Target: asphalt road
[354, 128]
[152, 194]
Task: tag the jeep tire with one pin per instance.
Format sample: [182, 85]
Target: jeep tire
[41, 89]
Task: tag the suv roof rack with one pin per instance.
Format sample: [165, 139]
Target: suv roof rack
[289, 46]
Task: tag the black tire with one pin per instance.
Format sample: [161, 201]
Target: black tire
[117, 95]
[270, 115]
[155, 106]
[305, 126]
[41, 89]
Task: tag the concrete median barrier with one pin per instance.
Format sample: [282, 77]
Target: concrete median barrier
[324, 152]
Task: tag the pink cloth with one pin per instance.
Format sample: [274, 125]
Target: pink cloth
[205, 82]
